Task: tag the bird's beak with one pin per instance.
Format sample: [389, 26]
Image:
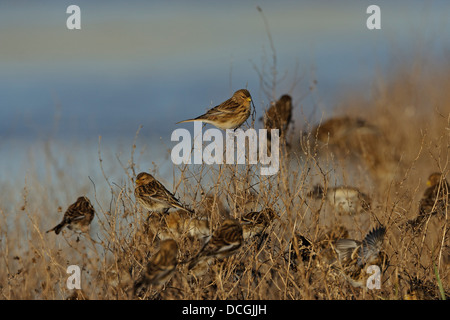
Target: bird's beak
[249, 99]
[428, 183]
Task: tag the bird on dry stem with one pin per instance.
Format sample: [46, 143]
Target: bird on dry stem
[224, 242]
[160, 267]
[153, 196]
[77, 217]
[279, 116]
[230, 114]
[304, 249]
[355, 256]
[299, 248]
[180, 223]
[419, 289]
[256, 222]
[435, 200]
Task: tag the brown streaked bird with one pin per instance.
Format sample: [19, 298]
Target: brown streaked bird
[345, 200]
[153, 196]
[322, 248]
[355, 256]
[435, 200]
[300, 247]
[77, 217]
[256, 222]
[160, 266]
[230, 114]
[224, 242]
[181, 223]
[279, 116]
[423, 290]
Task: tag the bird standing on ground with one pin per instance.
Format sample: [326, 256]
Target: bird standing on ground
[77, 217]
[230, 114]
[160, 267]
[153, 196]
[225, 241]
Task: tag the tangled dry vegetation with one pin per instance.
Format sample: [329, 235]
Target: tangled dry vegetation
[386, 146]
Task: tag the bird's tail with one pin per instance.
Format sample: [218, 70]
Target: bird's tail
[189, 120]
[183, 208]
[139, 285]
[58, 228]
[193, 262]
[199, 118]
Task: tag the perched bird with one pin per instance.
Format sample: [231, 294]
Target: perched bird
[279, 116]
[180, 223]
[345, 200]
[153, 196]
[160, 266]
[355, 256]
[230, 114]
[77, 217]
[435, 200]
[225, 241]
[256, 222]
[423, 290]
[300, 248]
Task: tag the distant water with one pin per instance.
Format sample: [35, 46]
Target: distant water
[151, 63]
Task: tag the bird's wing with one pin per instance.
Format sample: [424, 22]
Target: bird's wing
[372, 244]
[345, 248]
[157, 192]
[228, 106]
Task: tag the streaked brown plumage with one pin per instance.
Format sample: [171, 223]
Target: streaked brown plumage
[279, 116]
[355, 256]
[153, 196]
[181, 223]
[256, 222]
[225, 241]
[300, 247]
[161, 265]
[435, 200]
[230, 114]
[423, 290]
[77, 217]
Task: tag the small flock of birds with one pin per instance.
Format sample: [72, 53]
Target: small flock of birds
[348, 256]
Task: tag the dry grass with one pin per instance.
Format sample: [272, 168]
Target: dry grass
[411, 109]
